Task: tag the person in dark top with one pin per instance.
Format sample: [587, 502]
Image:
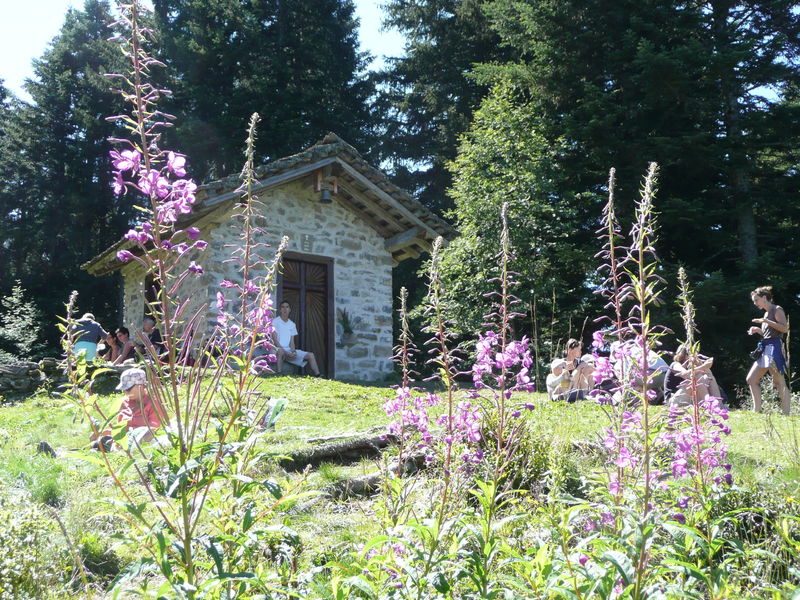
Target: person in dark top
[151, 332]
[771, 327]
[127, 349]
[88, 333]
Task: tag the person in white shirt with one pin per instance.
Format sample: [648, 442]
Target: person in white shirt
[284, 340]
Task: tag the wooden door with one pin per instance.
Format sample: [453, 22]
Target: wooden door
[307, 284]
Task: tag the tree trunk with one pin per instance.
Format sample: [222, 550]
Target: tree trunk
[738, 161]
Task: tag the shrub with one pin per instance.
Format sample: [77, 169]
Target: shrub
[30, 564]
[20, 327]
[98, 559]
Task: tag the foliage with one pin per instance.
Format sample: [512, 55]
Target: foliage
[229, 59]
[55, 178]
[657, 513]
[20, 326]
[505, 159]
[29, 565]
[704, 89]
[426, 97]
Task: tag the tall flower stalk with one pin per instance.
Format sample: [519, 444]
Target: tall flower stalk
[645, 289]
[458, 418]
[502, 365]
[205, 384]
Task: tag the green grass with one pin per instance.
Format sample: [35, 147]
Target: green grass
[763, 449]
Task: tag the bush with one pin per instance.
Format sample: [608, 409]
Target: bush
[20, 327]
[30, 564]
[99, 560]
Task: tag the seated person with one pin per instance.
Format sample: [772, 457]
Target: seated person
[111, 350]
[657, 369]
[284, 340]
[558, 380]
[88, 333]
[679, 382]
[140, 413]
[570, 378]
[580, 368]
[151, 332]
[126, 348]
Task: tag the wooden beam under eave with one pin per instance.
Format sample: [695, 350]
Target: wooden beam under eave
[348, 202]
[386, 197]
[371, 206]
[403, 239]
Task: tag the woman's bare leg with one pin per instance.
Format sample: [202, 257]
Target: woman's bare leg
[779, 381]
[753, 381]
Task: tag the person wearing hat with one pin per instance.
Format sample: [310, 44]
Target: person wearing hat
[88, 333]
[139, 411]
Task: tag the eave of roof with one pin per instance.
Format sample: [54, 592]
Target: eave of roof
[408, 226]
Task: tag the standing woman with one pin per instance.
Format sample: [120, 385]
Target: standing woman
[772, 327]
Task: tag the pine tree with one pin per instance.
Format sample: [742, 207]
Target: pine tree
[56, 202]
[295, 63]
[504, 159]
[427, 97]
[20, 326]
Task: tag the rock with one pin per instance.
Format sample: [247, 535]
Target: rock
[339, 452]
[46, 449]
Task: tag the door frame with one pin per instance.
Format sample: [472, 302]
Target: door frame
[330, 334]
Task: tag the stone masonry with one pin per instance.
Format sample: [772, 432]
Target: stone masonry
[362, 272]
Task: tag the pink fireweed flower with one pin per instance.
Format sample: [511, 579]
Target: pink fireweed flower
[127, 160]
[184, 189]
[250, 288]
[125, 256]
[195, 268]
[193, 233]
[140, 237]
[176, 164]
[153, 183]
[597, 340]
[602, 369]
[625, 459]
[118, 185]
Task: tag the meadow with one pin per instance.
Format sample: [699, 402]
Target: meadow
[41, 494]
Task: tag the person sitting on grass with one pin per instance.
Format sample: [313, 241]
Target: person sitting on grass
[688, 376]
[284, 340]
[570, 378]
[139, 412]
[127, 349]
[151, 333]
[579, 367]
[111, 350]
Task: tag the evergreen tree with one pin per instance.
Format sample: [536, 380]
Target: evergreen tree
[427, 97]
[701, 88]
[295, 63]
[20, 326]
[504, 159]
[56, 202]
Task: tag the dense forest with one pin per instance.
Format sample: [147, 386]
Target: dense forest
[528, 102]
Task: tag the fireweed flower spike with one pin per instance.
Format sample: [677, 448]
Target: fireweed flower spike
[196, 451]
[408, 407]
[502, 364]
